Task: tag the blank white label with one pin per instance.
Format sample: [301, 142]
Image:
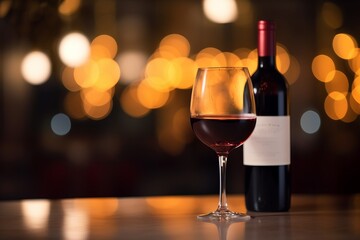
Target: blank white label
[269, 144]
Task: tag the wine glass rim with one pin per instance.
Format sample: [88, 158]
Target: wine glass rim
[226, 68]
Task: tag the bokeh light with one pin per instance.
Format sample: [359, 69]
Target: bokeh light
[69, 7]
[96, 97]
[68, 80]
[354, 64]
[332, 15]
[130, 103]
[186, 69]
[97, 112]
[351, 113]
[109, 74]
[310, 122]
[354, 104]
[151, 80]
[206, 57]
[173, 128]
[157, 74]
[220, 11]
[103, 46]
[92, 81]
[336, 105]
[345, 46]
[339, 83]
[342, 102]
[87, 74]
[323, 68]
[174, 45]
[36, 67]
[60, 124]
[5, 6]
[151, 98]
[74, 49]
[73, 105]
[282, 59]
[293, 73]
[355, 93]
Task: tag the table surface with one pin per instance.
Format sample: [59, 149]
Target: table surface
[174, 217]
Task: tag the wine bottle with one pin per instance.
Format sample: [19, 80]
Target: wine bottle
[267, 151]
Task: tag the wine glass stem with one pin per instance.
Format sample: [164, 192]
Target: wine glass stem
[222, 206]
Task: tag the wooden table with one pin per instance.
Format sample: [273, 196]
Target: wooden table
[311, 217]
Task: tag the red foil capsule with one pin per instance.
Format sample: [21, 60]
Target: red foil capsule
[266, 41]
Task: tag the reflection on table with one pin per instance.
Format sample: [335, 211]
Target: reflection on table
[174, 217]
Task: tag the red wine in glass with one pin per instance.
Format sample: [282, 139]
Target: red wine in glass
[223, 133]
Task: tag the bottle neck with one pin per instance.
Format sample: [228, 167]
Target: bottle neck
[266, 44]
[267, 62]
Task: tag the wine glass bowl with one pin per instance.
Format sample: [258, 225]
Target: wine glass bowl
[222, 115]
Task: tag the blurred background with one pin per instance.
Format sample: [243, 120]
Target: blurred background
[94, 94]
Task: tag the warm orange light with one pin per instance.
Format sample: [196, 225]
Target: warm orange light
[109, 74]
[332, 15]
[150, 97]
[73, 105]
[350, 115]
[95, 207]
[171, 204]
[339, 83]
[282, 59]
[95, 97]
[237, 86]
[68, 7]
[293, 73]
[180, 125]
[345, 46]
[242, 53]
[355, 93]
[354, 64]
[228, 59]
[336, 105]
[104, 46]
[356, 82]
[354, 104]
[206, 57]
[174, 45]
[187, 72]
[323, 68]
[97, 112]
[98, 52]
[87, 74]
[173, 129]
[5, 6]
[130, 103]
[157, 74]
[252, 61]
[67, 78]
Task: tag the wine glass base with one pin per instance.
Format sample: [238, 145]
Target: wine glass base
[225, 215]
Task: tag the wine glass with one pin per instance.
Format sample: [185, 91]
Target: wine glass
[222, 115]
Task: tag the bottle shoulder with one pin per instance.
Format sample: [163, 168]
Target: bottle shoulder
[270, 76]
[269, 82]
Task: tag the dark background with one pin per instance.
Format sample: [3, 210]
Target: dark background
[121, 155]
